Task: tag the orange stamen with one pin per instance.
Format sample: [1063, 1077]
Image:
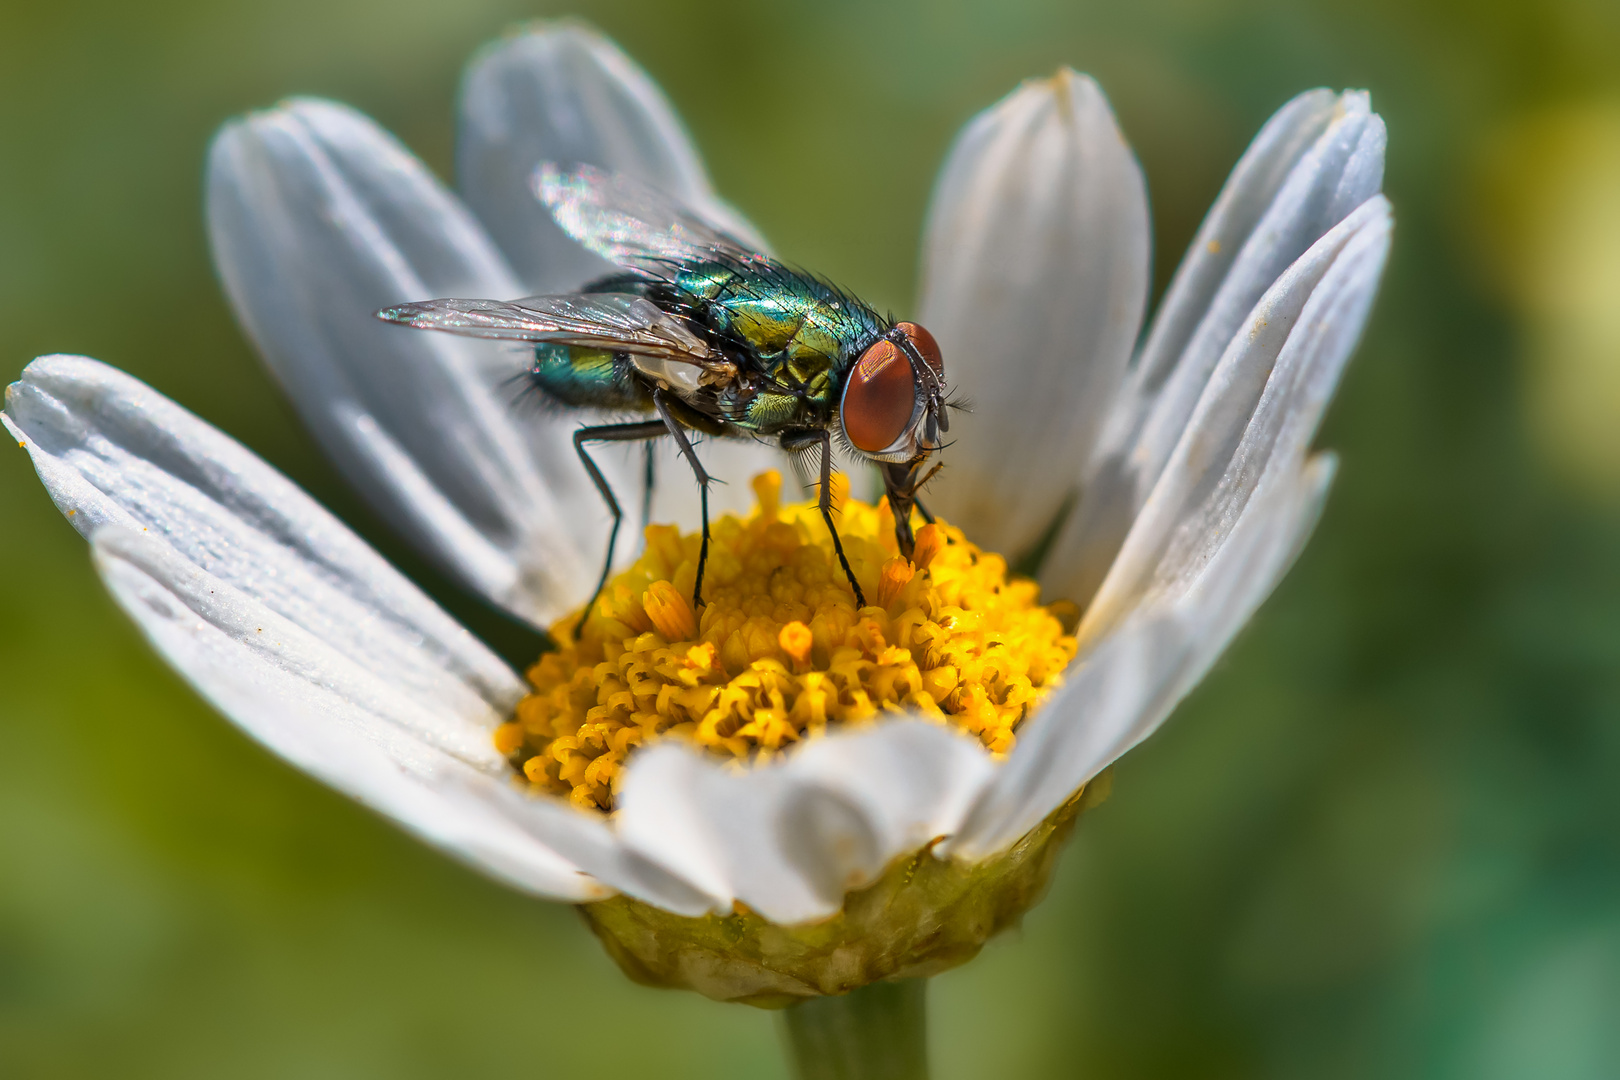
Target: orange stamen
[897, 573]
[768, 490]
[669, 612]
[508, 739]
[930, 541]
[796, 641]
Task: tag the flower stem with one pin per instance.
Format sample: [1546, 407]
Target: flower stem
[878, 1032]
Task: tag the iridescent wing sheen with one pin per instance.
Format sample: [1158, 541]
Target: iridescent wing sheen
[633, 225]
[620, 321]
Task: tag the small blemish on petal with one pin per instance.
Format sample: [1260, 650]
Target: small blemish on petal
[1062, 87]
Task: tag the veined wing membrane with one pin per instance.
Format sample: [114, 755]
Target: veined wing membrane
[621, 321]
[632, 224]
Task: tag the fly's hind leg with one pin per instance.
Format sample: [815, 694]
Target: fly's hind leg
[646, 429]
[674, 428]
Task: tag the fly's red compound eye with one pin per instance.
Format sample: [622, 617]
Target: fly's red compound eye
[880, 397]
[925, 345]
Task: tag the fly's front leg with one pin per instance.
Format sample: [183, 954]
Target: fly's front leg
[897, 484]
[648, 429]
[825, 506]
[901, 484]
[794, 442]
[674, 428]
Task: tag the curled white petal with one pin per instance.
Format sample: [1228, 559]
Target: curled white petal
[1264, 400]
[592, 843]
[318, 218]
[1078, 731]
[1316, 160]
[1035, 273]
[791, 838]
[1121, 692]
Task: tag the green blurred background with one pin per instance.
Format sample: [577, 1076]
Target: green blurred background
[1382, 840]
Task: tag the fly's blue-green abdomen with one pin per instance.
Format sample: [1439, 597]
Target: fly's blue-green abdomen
[595, 378]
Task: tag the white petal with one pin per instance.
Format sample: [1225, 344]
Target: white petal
[285, 620]
[1269, 536]
[1035, 273]
[1084, 726]
[1264, 400]
[1124, 689]
[112, 451]
[358, 731]
[562, 92]
[1318, 158]
[790, 839]
[676, 500]
[317, 219]
[1228, 516]
[590, 842]
[322, 712]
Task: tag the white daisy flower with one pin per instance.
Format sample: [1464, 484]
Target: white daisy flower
[1171, 481]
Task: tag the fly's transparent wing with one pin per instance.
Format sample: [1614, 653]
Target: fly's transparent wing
[620, 321]
[636, 226]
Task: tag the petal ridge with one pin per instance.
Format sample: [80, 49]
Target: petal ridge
[316, 219]
[1034, 279]
[1318, 158]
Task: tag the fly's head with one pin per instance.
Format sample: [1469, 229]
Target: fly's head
[893, 405]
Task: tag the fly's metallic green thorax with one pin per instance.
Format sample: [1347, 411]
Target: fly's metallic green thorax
[803, 333]
[796, 323]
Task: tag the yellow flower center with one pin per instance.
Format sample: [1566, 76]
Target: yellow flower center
[779, 653]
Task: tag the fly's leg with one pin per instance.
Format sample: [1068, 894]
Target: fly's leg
[673, 427]
[825, 506]
[900, 482]
[647, 429]
[796, 442]
[647, 494]
[897, 485]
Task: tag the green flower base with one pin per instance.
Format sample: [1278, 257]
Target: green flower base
[923, 916]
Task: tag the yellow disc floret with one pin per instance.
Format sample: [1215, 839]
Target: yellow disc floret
[778, 652]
